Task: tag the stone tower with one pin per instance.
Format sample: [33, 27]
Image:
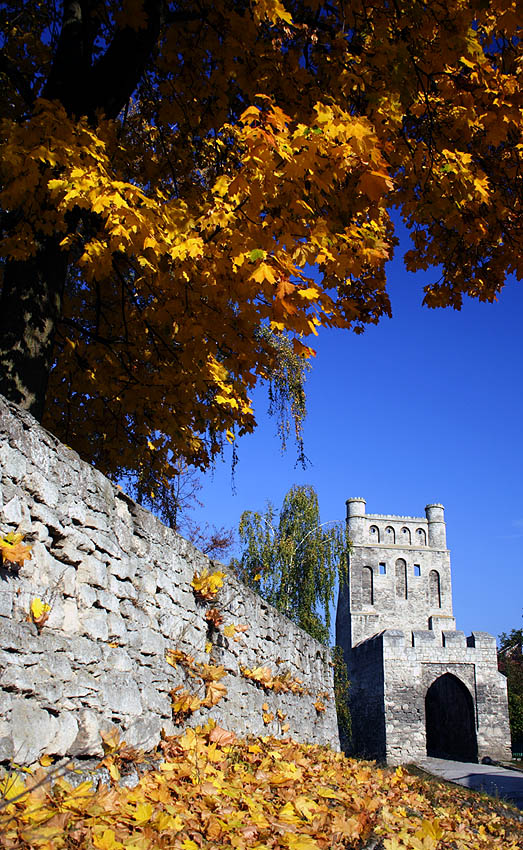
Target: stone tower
[418, 686]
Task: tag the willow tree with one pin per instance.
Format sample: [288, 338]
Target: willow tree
[170, 173]
[294, 560]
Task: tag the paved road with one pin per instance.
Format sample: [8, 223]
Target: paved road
[497, 781]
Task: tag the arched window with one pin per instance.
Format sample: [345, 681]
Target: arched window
[421, 537]
[367, 586]
[374, 534]
[405, 536]
[434, 590]
[401, 578]
[390, 536]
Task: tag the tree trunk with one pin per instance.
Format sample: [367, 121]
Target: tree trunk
[30, 307]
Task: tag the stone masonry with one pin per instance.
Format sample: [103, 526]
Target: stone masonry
[418, 686]
[118, 583]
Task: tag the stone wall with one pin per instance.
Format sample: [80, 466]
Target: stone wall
[118, 583]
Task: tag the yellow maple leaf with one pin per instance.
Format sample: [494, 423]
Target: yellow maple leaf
[12, 549]
[39, 610]
[107, 840]
[215, 691]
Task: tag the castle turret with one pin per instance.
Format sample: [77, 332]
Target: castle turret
[356, 518]
[436, 520]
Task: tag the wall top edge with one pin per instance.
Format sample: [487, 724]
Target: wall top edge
[397, 516]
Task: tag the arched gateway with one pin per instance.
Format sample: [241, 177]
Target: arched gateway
[449, 720]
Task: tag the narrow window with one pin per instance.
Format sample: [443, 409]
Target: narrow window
[434, 589]
[405, 536]
[383, 569]
[390, 536]
[374, 534]
[422, 537]
[367, 586]
[401, 578]
[417, 570]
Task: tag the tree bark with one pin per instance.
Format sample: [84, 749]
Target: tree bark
[30, 306]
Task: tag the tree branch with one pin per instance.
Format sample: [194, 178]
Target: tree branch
[20, 83]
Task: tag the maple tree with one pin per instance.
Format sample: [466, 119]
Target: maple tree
[172, 171]
[293, 559]
[211, 789]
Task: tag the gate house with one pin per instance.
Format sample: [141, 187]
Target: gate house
[417, 686]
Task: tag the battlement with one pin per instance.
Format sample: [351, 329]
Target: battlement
[424, 645]
[397, 516]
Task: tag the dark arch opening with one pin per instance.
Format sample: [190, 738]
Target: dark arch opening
[449, 720]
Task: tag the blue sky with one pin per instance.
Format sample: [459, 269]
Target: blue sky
[425, 407]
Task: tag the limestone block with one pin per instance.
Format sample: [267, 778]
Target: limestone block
[65, 733]
[6, 602]
[108, 601]
[167, 624]
[84, 651]
[86, 596]
[19, 636]
[68, 549]
[75, 510]
[32, 730]
[121, 589]
[96, 519]
[94, 624]
[42, 488]
[68, 581]
[119, 694]
[55, 664]
[12, 461]
[424, 638]
[140, 544]
[56, 614]
[6, 742]
[116, 626]
[153, 643]
[146, 581]
[104, 543]
[156, 701]
[124, 534]
[124, 568]
[92, 571]
[12, 511]
[135, 617]
[81, 684]
[22, 679]
[117, 659]
[144, 733]
[88, 741]
[71, 620]
[454, 639]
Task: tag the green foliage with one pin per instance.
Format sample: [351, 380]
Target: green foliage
[293, 560]
[510, 661]
[341, 695]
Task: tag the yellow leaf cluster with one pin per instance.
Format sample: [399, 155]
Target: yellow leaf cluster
[206, 584]
[192, 221]
[281, 683]
[13, 550]
[184, 702]
[213, 789]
